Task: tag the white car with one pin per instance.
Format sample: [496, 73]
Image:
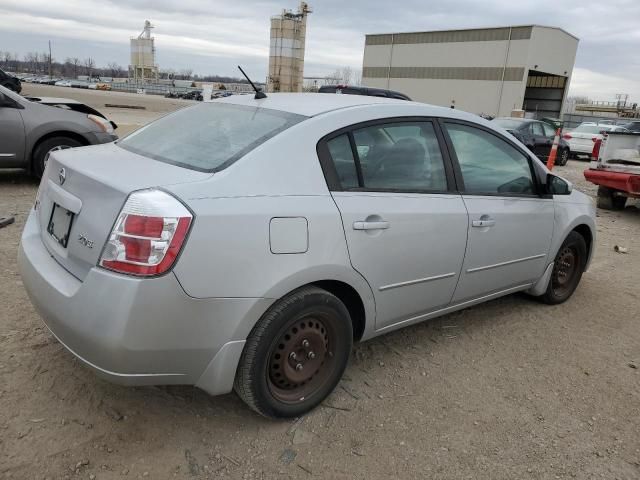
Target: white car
[582, 139]
[63, 83]
[246, 243]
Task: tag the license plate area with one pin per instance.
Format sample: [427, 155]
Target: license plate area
[60, 223]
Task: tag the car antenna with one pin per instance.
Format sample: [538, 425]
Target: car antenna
[259, 93]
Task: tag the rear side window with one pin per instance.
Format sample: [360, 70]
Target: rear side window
[549, 131]
[209, 136]
[343, 161]
[490, 165]
[536, 128]
[391, 157]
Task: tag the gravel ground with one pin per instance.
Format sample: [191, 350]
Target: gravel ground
[510, 389]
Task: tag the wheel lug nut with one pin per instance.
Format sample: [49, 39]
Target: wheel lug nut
[292, 355]
[299, 367]
[311, 355]
[305, 343]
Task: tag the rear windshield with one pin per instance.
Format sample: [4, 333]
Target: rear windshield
[507, 123]
[210, 136]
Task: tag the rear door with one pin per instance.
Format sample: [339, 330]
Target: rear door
[406, 227]
[542, 143]
[12, 138]
[510, 225]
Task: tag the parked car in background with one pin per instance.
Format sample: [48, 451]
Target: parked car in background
[538, 136]
[615, 168]
[358, 90]
[31, 130]
[246, 244]
[63, 83]
[633, 126]
[10, 82]
[582, 138]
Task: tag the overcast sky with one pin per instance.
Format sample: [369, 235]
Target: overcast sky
[213, 37]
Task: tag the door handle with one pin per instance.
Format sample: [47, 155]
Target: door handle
[485, 222]
[362, 225]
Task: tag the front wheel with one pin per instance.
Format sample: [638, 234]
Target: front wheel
[46, 148]
[296, 354]
[568, 267]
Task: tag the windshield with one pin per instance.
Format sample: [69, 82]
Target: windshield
[508, 124]
[592, 128]
[210, 136]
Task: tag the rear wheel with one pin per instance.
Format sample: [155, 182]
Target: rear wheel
[563, 157]
[568, 267]
[46, 148]
[296, 354]
[608, 200]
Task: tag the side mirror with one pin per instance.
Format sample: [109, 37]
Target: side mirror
[558, 186]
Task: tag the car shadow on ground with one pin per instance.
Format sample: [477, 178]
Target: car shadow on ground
[17, 177]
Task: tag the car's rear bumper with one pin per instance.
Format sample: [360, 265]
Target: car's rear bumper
[624, 182]
[137, 331]
[585, 149]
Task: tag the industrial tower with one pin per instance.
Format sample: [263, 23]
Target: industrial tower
[143, 56]
[286, 56]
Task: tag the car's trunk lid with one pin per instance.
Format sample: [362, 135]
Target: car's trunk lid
[92, 183]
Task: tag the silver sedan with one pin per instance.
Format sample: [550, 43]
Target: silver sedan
[30, 129]
[247, 243]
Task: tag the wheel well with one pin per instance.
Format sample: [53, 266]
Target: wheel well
[61, 133]
[351, 299]
[585, 231]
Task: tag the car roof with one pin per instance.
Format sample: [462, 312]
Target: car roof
[312, 104]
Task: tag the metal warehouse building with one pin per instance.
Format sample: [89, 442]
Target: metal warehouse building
[491, 71]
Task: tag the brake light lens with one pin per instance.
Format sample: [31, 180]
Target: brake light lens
[566, 136]
[596, 149]
[148, 235]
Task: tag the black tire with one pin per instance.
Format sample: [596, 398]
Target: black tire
[40, 153]
[563, 157]
[567, 270]
[266, 366]
[607, 200]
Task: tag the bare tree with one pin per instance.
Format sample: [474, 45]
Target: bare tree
[89, 64]
[75, 61]
[342, 76]
[115, 69]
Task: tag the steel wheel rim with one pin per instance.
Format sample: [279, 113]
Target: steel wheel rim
[565, 269]
[54, 149]
[302, 359]
[564, 156]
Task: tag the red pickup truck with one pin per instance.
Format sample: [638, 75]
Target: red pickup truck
[615, 168]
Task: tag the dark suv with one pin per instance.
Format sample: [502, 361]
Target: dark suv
[353, 90]
[633, 126]
[11, 82]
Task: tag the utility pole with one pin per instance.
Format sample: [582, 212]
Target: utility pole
[49, 58]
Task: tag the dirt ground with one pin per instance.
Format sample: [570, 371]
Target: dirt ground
[511, 389]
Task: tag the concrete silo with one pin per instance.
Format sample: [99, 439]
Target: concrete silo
[286, 56]
[143, 56]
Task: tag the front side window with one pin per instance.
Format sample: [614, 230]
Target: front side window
[209, 136]
[400, 156]
[489, 164]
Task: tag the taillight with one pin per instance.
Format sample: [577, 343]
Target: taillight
[148, 234]
[566, 136]
[596, 149]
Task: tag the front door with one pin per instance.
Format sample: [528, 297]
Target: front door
[510, 225]
[12, 137]
[406, 229]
